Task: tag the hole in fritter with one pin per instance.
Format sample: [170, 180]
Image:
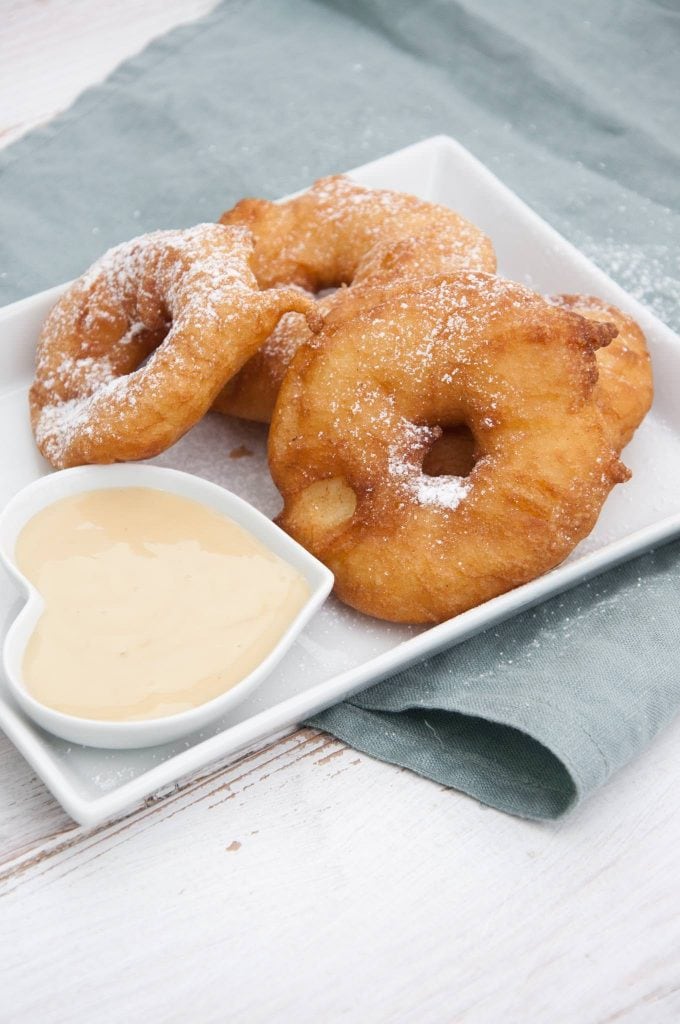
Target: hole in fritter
[139, 345]
[452, 454]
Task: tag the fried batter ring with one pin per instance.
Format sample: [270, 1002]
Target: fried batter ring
[185, 301]
[625, 387]
[353, 423]
[326, 238]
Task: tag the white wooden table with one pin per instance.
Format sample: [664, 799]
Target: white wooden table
[306, 882]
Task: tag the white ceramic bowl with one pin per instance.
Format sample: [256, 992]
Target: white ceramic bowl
[123, 735]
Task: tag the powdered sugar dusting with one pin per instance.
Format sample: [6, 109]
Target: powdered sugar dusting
[443, 491]
[319, 238]
[206, 250]
[383, 214]
[137, 295]
[650, 273]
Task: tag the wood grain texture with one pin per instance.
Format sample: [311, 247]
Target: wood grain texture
[305, 882]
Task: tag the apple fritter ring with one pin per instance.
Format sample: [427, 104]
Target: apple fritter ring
[136, 351]
[318, 239]
[625, 388]
[361, 406]
[326, 238]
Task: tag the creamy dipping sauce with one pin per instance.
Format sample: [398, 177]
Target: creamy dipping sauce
[154, 604]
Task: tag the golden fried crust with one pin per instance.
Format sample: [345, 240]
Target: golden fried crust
[318, 239]
[251, 393]
[339, 233]
[362, 405]
[185, 301]
[625, 387]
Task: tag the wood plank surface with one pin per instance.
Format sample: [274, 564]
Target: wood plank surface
[305, 882]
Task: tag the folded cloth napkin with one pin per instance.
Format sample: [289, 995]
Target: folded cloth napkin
[574, 106]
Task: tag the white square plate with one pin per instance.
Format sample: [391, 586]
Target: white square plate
[341, 651]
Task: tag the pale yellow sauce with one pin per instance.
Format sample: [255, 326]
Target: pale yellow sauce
[154, 603]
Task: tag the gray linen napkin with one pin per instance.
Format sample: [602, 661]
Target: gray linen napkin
[572, 105]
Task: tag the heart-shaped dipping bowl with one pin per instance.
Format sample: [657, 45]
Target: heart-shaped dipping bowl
[148, 732]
